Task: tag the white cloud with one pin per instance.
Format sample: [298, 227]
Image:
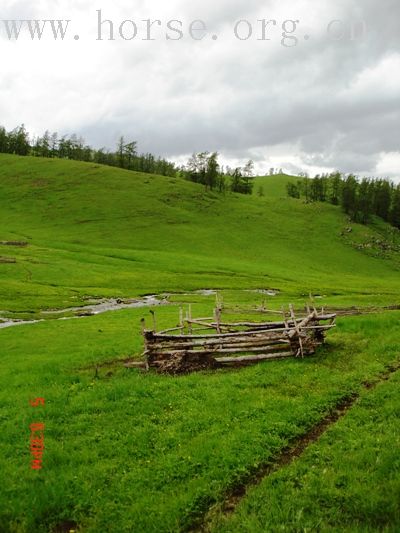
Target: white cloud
[320, 105]
[388, 165]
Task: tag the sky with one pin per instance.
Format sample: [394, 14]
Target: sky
[302, 85]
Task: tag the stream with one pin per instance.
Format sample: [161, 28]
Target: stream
[104, 305]
[95, 307]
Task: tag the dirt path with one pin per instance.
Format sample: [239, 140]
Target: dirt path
[288, 455]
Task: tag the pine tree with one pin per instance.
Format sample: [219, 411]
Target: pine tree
[395, 208]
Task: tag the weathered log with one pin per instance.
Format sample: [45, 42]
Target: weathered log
[261, 325]
[206, 339]
[160, 346]
[328, 316]
[165, 331]
[203, 322]
[266, 326]
[239, 349]
[294, 332]
[188, 319]
[257, 342]
[150, 335]
[252, 358]
[203, 319]
[328, 326]
[204, 325]
[302, 324]
[227, 343]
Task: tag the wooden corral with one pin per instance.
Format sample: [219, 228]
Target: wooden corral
[206, 343]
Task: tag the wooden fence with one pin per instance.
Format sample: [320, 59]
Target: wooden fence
[210, 342]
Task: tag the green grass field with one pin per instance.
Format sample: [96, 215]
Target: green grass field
[99, 231]
[348, 481]
[139, 452]
[128, 451]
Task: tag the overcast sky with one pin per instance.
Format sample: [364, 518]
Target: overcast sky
[329, 99]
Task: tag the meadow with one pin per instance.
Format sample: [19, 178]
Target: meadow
[348, 481]
[131, 451]
[127, 451]
[100, 231]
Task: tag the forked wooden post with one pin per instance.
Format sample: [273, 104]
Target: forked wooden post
[190, 329]
[284, 318]
[154, 320]
[296, 329]
[181, 321]
[143, 328]
[312, 302]
[217, 315]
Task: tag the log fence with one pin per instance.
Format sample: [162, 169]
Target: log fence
[210, 342]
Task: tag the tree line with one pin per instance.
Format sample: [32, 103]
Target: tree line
[201, 168]
[19, 142]
[360, 199]
[204, 168]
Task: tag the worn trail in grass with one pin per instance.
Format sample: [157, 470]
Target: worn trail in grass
[347, 481]
[221, 513]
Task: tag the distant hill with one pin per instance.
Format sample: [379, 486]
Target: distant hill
[273, 186]
[99, 231]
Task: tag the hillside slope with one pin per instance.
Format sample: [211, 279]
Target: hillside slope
[100, 231]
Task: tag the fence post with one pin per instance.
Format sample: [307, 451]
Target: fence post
[190, 319]
[154, 320]
[181, 322]
[297, 331]
[217, 315]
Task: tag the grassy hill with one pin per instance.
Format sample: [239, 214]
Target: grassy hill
[129, 451]
[273, 186]
[99, 231]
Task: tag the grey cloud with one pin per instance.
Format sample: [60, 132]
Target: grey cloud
[234, 97]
